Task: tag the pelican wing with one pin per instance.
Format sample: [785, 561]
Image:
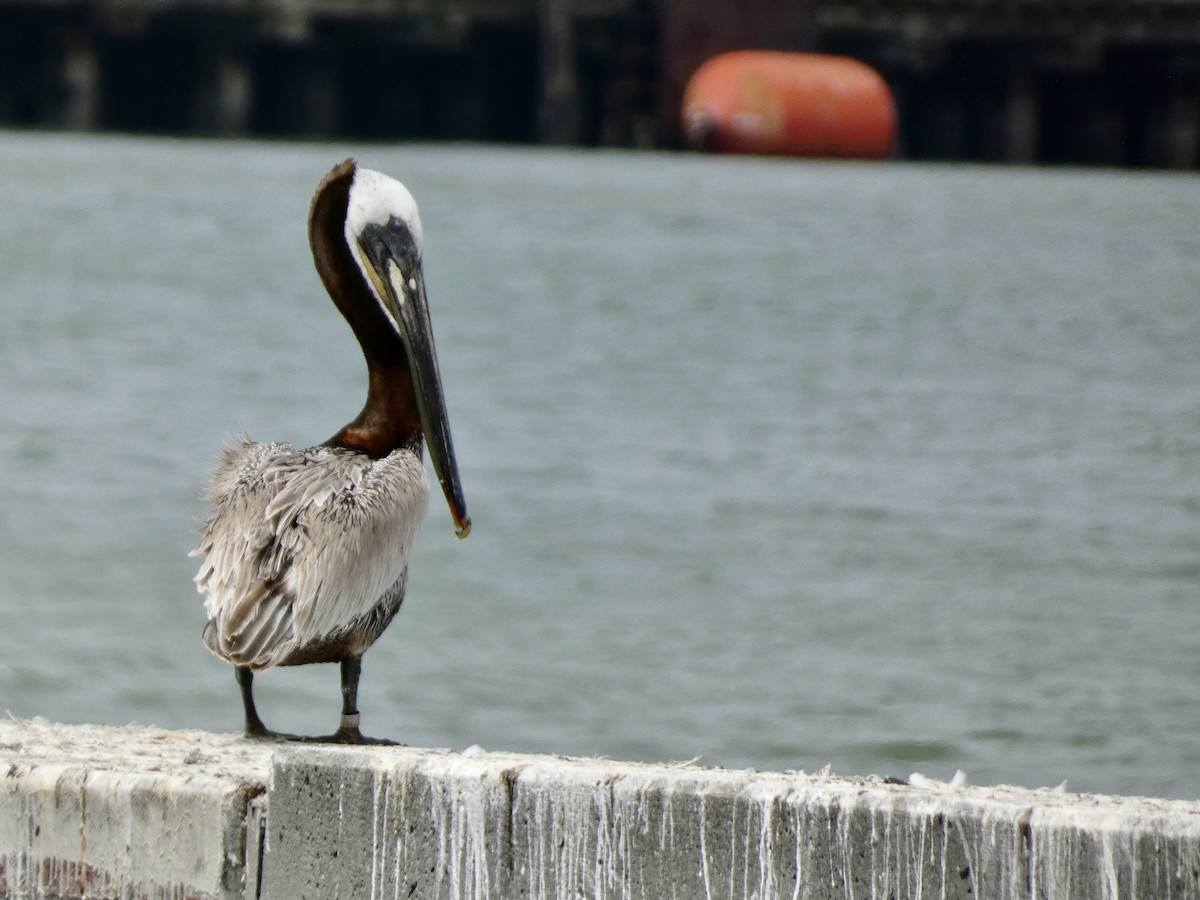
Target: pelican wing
[302, 543]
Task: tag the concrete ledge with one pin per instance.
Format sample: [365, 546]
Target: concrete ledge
[415, 823]
[99, 812]
[130, 813]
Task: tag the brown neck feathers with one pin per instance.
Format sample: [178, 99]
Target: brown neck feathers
[390, 419]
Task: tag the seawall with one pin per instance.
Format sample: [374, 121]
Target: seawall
[100, 812]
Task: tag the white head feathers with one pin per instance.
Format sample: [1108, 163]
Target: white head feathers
[375, 199]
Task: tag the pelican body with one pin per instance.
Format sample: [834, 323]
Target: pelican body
[305, 554]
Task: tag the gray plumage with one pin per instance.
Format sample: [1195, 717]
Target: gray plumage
[306, 550]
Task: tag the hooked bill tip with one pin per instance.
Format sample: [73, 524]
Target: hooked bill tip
[462, 527]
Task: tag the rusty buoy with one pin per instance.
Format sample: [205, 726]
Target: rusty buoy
[789, 104]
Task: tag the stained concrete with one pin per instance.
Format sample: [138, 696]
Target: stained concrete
[419, 823]
[102, 812]
[99, 812]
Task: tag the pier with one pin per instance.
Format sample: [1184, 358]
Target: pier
[98, 812]
[1100, 82]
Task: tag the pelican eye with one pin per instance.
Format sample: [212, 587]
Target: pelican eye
[396, 225]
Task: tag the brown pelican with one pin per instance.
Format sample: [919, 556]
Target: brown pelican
[306, 551]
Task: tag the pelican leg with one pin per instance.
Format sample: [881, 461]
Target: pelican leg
[351, 669]
[255, 729]
[254, 725]
[348, 732]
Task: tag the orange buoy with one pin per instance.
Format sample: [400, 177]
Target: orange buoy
[789, 104]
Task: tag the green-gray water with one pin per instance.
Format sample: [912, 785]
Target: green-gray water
[778, 464]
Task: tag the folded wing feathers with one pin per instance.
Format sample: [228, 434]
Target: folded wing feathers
[302, 543]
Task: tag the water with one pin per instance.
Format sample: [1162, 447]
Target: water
[894, 468]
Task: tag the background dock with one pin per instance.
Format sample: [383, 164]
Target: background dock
[1091, 82]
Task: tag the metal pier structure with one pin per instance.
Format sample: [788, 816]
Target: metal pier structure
[1094, 82]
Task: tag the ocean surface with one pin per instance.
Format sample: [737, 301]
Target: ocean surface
[776, 464]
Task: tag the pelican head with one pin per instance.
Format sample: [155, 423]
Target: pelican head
[382, 230]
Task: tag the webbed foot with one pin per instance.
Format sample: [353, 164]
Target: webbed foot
[259, 732]
[347, 733]
[351, 735]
